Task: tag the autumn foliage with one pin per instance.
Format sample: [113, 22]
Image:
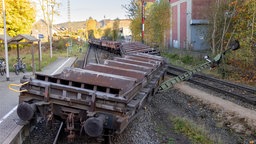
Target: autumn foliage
[157, 21]
[235, 20]
[20, 15]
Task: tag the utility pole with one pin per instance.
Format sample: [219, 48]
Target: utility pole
[5, 43]
[48, 26]
[69, 47]
[69, 16]
[142, 20]
[50, 21]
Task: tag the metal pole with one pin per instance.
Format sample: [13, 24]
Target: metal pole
[51, 41]
[5, 44]
[40, 50]
[142, 22]
[48, 26]
[51, 32]
[33, 60]
[40, 54]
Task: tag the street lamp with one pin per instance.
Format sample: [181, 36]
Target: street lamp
[5, 43]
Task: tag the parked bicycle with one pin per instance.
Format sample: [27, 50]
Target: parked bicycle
[2, 66]
[19, 66]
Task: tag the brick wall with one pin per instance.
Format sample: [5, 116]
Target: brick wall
[174, 23]
[183, 24]
[199, 8]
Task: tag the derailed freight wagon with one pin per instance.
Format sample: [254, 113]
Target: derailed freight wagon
[99, 100]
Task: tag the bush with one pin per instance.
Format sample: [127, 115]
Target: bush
[60, 44]
[187, 59]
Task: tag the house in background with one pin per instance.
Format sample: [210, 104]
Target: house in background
[40, 27]
[124, 25]
[189, 24]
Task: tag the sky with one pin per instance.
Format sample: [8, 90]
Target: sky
[80, 10]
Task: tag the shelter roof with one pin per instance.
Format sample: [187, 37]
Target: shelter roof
[20, 37]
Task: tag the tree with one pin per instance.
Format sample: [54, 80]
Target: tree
[107, 34]
[157, 20]
[133, 11]
[245, 30]
[49, 8]
[91, 25]
[20, 15]
[221, 16]
[115, 29]
[235, 20]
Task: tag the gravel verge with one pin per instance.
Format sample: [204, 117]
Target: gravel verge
[153, 124]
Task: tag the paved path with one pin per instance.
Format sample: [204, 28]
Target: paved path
[58, 66]
[9, 99]
[8, 105]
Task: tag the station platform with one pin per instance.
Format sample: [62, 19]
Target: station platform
[9, 99]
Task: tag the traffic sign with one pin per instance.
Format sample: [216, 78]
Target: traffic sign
[40, 36]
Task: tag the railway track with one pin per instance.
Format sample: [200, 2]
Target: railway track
[97, 56]
[56, 139]
[41, 133]
[242, 93]
[91, 56]
[93, 95]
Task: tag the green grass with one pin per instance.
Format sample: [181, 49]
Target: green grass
[189, 62]
[163, 132]
[195, 133]
[46, 59]
[171, 141]
[185, 61]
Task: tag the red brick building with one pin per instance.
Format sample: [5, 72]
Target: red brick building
[189, 24]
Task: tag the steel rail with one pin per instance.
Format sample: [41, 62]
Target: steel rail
[247, 94]
[58, 134]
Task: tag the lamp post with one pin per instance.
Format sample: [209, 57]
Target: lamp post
[5, 43]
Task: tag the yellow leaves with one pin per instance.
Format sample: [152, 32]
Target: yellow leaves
[19, 16]
[91, 24]
[233, 3]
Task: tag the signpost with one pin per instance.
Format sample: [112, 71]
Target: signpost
[69, 47]
[40, 36]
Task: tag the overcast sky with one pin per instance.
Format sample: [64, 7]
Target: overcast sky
[80, 10]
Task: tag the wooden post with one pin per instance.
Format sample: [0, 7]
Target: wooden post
[18, 51]
[39, 54]
[33, 60]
